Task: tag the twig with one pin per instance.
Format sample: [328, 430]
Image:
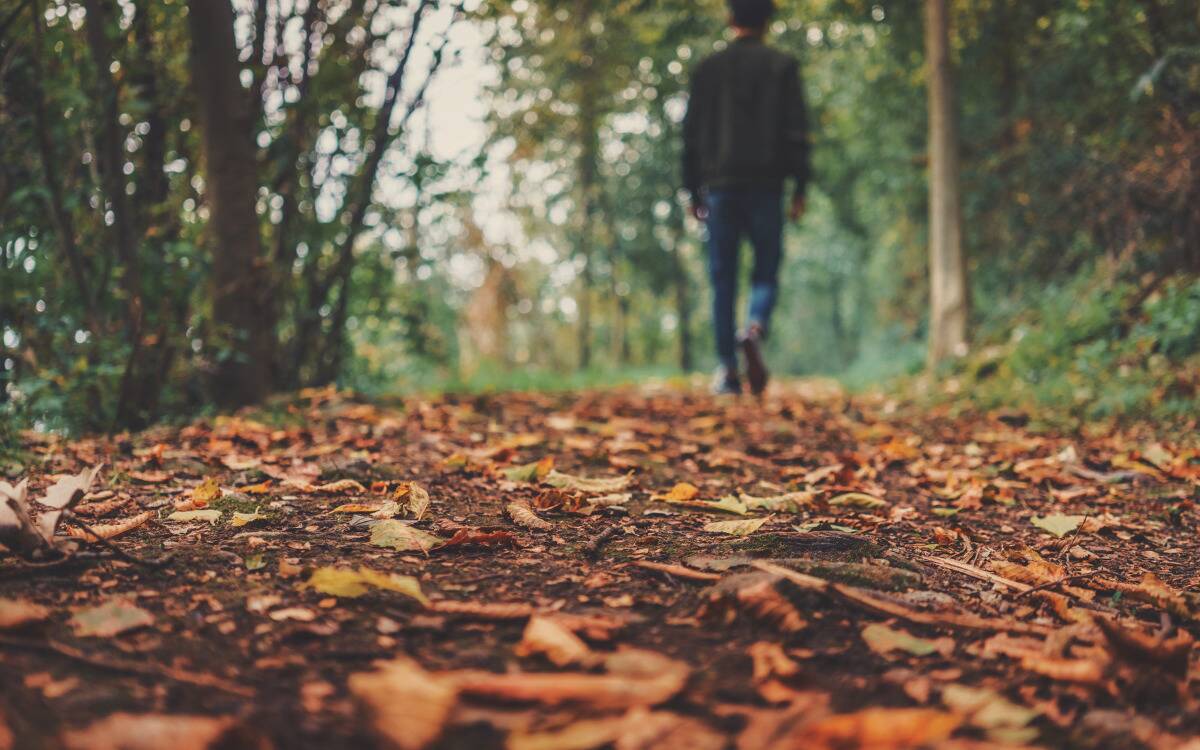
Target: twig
[1056, 583]
[592, 550]
[147, 669]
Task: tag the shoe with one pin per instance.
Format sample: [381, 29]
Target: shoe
[726, 382]
[756, 366]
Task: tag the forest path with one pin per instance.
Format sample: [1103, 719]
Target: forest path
[641, 568]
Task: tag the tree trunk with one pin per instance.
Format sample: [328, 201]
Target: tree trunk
[683, 304]
[949, 300]
[241, 296]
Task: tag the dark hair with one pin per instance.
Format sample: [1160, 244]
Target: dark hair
[751, 14]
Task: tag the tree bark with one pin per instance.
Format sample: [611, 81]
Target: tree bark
[241, 294]
[586, 172]
[948, 292]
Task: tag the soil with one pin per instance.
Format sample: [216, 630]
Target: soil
[937, 487]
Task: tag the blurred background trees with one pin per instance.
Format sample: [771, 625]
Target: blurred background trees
[556, 242]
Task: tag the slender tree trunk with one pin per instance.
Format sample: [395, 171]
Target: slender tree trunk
[683, 304]
[587, 229]
[241, 297]
[949, 300]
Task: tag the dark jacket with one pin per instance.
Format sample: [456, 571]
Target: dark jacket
[746, 124]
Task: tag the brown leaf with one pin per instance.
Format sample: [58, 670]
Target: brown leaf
[474, 537]
[482, 610]
[408, 706]
[637, 729]
[755, 595]
[110, 530]
[340, 486]
[677, 570]
[114, 617]
[17, 613]
[125, 731]
[557, 643]
[523, 515]
[634, 677]
[883, 728]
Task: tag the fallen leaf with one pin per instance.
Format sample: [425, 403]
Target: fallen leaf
[681, 492]
[209, 515]
[474, 537]
[736, 528]
[530, 472]
[598, 485]
[348, 582]
[150, 477]
[857, 500]
[340, 486]
[70, 489]
[402, 537]
[756, 595]
[789, 502]
[883, 728]
[1057, 524]
[883, 640]
[637, 729]
[241, 519]
[114, 617]
[205, 492]
[357, 508]
[407, 705]
[554, 641]
[111, 530]
[633, 677]
[416, 499]
[125, 731]
[300, 614]
[1003, 720]
[17, 613]
[523, 515]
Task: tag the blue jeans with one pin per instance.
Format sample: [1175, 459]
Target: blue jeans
[732, 213]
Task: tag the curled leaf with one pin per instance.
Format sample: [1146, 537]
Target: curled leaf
[523, 515]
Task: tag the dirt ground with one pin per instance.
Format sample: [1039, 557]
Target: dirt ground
[638, 568]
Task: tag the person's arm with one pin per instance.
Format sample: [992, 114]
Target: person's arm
[691, 146]
[796, 137]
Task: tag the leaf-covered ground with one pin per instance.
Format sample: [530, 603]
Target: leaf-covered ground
[639, 568]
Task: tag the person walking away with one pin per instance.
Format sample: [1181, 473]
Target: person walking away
[745, 134]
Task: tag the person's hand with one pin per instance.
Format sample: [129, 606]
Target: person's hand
[797, 210]
[699, 210]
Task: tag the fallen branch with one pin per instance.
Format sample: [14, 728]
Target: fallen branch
[677, 570]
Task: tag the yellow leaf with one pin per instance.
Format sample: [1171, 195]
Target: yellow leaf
[350, 583]
[680, 493]
[736, 528]
[205, 492]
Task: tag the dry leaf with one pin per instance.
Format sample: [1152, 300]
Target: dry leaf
[209, 515]
[736, 528]
[114, 617]
[1057, 524]
[352, 583]
[633, 677]
[110, 530]
[756, 595]
[601, 485]
[17, 613]
[402, 537]
[883, 728]
[408, 706]
[204, 493]
[482, 610]
[680, 493]
[883, 640]
[523, 515]
[858, 500]
[125, 731]
[554, 641]
[340, 486]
